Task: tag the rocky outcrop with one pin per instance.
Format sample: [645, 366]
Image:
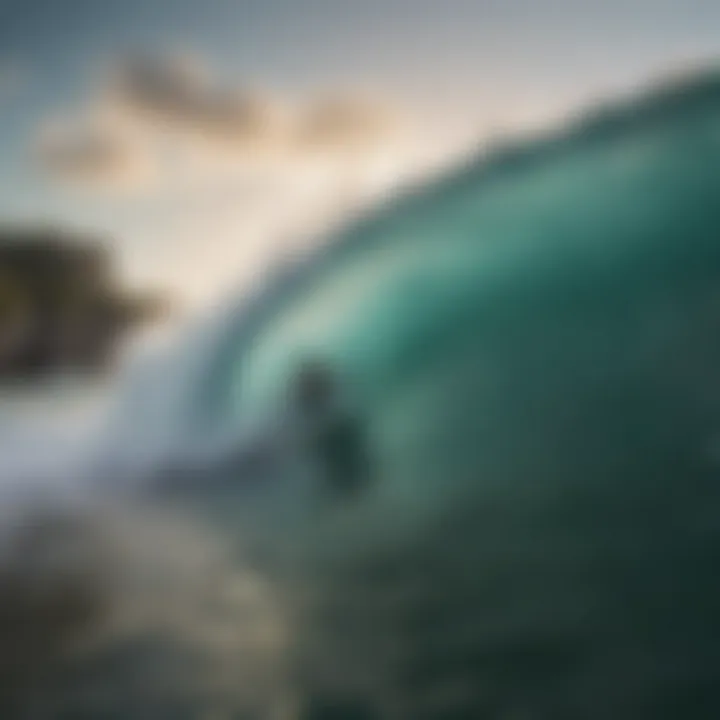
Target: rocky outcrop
[61, 308]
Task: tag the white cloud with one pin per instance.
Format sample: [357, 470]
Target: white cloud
[346, 122]
[174, 92]
[167, 112]
[93, 153]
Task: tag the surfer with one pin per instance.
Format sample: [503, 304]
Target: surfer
[333, 437]
[315, 429]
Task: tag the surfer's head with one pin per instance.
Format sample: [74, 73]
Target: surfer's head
[314, 385]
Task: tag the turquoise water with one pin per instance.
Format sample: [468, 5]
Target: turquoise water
[557, 271]
[536, 344]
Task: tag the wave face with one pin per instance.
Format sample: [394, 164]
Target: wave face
[534, 344]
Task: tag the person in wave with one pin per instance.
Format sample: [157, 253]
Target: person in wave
[314, 431]
[330, 434]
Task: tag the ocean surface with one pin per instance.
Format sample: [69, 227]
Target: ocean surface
[533, 344]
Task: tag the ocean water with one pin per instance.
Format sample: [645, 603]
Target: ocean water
[533, 344]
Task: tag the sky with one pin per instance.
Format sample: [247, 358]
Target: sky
[205, 138]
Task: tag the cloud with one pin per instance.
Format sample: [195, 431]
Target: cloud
[158, 111]
[90, 152]
[346, 122]
[176, 93]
